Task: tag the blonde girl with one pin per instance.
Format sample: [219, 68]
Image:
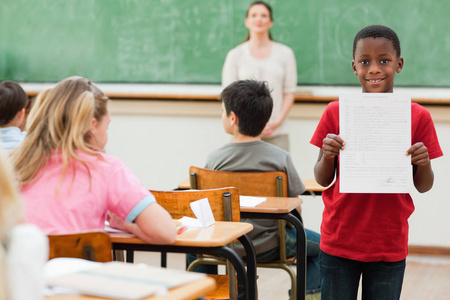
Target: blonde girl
[68, 182]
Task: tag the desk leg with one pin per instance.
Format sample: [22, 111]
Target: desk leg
[236, 261]
[301, 245]
[251, 265]
[301, 255]
[163, 259]
[130, 256]
[298, 216]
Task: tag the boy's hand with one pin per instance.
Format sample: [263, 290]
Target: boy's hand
[331, 146]
[419, 154]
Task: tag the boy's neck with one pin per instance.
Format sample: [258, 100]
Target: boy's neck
[240, 138]
[10, 124]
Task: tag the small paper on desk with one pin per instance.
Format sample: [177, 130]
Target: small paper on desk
[249, 201]
[202, 210]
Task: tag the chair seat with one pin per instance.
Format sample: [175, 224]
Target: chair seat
[222, 291]
[90, 245]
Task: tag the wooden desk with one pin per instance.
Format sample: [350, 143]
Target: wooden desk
[185, 184]
[275, 205]
[189, 291]
[310, 184]
[216, 235]
[211, 240]
[284, 208]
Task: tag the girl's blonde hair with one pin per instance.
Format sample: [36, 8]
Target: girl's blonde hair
[10, 214]
[60, 120]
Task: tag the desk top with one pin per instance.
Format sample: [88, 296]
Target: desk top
[310, 184]
[188, 291]
[275, 205]
[217, 235]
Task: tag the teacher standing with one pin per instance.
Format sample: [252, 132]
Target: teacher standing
[261, 58]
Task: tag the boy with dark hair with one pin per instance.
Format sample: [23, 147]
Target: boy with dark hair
[367, 234]
[13, 112]
[246, 108]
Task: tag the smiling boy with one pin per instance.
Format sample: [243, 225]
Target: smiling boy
[366, 235]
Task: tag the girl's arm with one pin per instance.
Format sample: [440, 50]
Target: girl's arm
[423, 175]
[326, 164]
[153, 225]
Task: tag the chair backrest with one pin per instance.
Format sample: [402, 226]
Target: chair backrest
[92, 245]
[224, 202]
[270, 184]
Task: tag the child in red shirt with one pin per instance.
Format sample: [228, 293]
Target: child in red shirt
[367, 234]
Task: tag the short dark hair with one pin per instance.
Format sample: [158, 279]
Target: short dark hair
[12, 100]
[377, 31]
[250, 100]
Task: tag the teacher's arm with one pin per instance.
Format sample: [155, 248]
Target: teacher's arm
[229, 70]
[289, 87]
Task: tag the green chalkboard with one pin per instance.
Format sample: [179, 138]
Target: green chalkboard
[186, 41]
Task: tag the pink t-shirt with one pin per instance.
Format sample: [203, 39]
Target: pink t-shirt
[370, 227]
[81, 203]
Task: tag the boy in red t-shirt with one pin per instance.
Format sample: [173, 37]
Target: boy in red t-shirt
[367, 234]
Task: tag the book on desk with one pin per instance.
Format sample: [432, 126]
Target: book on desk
[118, 280]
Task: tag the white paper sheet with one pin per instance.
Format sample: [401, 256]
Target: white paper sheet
[377, 131]
[190, 222]
[249, 201]
[202, 210]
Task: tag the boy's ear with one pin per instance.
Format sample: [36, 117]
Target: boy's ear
[354, 67]
[400, 65]
[21, 113]
[20, 119]
[234, 120]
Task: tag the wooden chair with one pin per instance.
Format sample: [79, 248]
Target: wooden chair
[90, 245]
[268, 184]
[225, 206]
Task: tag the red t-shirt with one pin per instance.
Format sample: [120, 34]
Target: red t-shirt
[370, 227]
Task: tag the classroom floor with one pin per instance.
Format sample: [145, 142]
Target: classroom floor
[426, 277]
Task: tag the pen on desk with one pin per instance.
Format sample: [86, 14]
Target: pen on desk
[181, 228]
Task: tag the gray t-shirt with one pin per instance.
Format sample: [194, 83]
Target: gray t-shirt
[257, 156]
